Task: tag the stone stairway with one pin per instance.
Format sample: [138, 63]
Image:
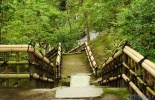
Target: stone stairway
[80, 88]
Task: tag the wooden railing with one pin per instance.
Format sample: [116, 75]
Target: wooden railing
[58, 62]
[129, 68]
[51, 53]
[79, 48]
[37, 68]
[91, 59]
[89, 54]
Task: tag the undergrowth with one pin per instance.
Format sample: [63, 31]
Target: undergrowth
[105, 45]
[121, 92]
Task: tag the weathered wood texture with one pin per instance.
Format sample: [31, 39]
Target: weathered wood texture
[91, 59]
[127, 65]
[40, 72]
[78, 48]
[58, 62]
[89, 54]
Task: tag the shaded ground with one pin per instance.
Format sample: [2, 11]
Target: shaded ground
[26, 94]
[45, 94]
[74, 63]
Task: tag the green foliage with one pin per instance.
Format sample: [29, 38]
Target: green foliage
[53, 21]
[39, 21]
[138, 23]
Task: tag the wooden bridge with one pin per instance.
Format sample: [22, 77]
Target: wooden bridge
[125, 68]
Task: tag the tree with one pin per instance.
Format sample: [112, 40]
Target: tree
[137, 22]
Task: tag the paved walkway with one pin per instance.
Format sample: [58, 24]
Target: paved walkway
[79, 88]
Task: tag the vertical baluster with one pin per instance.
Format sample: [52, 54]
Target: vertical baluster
[32, 70]
[18, 67]
[6, 69]
[124, 59]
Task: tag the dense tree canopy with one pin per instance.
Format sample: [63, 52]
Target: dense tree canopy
[51, 21]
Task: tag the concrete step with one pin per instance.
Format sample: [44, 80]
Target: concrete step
[79, 88]
[79, 92]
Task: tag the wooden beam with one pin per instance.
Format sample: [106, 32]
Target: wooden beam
[144, 65]
[14, 76]
[148, 62]
[143, 97]
[15, 62]
[110, 59]
[17, 50]
[15, 46]
[139, 79]
[24, 76]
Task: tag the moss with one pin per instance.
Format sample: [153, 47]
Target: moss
[74, 63]
[121, 92]
[104, 46]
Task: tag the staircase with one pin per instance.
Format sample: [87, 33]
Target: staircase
[79, 88]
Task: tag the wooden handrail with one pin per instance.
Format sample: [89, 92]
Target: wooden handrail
[76, 48]
[144, 65]
[138, 55]
[139, 79]
[91, 59]
[15, 46]
[136, 66]
[38, 64]
[58, 62]
[110, 59]
[143, 97]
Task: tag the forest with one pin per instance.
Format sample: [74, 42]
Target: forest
[48, 22]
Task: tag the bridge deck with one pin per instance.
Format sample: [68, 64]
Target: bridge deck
[74, 63]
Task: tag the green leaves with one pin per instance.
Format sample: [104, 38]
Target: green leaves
[137, 22]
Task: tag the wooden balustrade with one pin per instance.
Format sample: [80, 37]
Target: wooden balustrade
[52, 53]
[129, 68]
[58, 62]
[78, 48]
[92, 62]
[91, 59]
[40, 71]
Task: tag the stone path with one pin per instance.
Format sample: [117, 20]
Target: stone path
[79, 88]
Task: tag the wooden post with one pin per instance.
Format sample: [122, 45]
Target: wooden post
[6, 69]
[125, 60]
[32, 70]
[18, 67]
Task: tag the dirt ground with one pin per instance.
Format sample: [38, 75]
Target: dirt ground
[41, 94]
[26, 94]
